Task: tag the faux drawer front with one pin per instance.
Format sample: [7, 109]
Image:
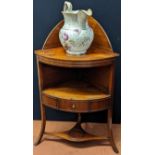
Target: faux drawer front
[76, 106]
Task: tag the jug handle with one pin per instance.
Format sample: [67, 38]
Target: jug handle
[67, 6]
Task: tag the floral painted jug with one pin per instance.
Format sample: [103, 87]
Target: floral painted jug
[76, 35]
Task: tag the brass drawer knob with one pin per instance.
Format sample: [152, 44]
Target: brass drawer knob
[73, 106]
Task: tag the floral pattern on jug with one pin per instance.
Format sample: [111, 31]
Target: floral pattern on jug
[75, 36]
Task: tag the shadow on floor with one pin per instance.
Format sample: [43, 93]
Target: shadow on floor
[80, 144]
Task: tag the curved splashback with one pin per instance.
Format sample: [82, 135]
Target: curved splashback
[100, 37]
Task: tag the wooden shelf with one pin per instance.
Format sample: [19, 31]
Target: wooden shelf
[75, 90]
[77, 134]
[58, 57]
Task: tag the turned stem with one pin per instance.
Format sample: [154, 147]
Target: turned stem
[79, 118]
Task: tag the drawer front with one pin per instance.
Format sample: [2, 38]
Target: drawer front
[76, 106]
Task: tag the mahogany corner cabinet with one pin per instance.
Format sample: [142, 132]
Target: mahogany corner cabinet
[78, 84]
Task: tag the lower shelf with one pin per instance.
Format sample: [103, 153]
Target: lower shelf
[76, 90]
[77, 134]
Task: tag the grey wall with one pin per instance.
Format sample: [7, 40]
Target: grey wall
[47, 15]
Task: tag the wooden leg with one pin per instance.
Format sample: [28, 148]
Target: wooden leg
[110, 134]
[43, 124]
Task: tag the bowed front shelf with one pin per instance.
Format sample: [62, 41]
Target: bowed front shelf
[77, 84]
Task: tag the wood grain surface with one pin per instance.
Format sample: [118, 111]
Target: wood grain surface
[55, 146]
[93, 54]
[58, 57]
[76, 90]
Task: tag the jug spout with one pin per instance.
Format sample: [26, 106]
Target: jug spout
[82, 17]
[88, 12]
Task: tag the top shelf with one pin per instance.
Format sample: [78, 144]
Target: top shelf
[100, 52]
[94, 57]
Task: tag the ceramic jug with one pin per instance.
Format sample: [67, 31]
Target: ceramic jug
[76, 35]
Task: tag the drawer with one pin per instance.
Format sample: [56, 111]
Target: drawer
[76, 106]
